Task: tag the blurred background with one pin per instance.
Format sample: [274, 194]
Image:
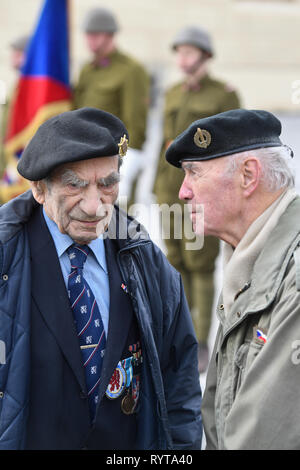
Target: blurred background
[257, 44]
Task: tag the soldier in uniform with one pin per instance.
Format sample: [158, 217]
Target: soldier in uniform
[17, 57]
[197, 96]
[116, 83]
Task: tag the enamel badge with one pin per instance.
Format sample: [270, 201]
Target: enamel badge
[259, 335]
[117, 383]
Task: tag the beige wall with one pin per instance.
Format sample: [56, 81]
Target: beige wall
[257, 42]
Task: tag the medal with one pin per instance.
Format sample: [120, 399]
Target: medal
[123, 379]
[117, 383]
[127, 366]
[128, 404]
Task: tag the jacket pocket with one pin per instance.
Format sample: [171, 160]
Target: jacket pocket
[240, 365]
[243, 360]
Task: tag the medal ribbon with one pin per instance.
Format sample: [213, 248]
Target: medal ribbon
[127, 364]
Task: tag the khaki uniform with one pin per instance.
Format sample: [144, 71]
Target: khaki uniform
[251, 400]
[2, 137]
[182, 107]
[8, 163]
[121, 87]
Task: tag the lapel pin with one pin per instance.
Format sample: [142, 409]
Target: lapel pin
[124, 288]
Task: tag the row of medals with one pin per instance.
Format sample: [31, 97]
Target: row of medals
[128, 403]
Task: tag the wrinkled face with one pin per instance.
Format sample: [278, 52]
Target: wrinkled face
[189, 58]
[207, 188]
[79, 197]
[98, 42]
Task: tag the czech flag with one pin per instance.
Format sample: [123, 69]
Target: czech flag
[43, 89]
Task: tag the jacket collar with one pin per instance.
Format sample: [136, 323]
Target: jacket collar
[14, 214]
[268, 271]
[271, 265]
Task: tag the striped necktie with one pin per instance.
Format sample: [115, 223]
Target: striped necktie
[88, 321]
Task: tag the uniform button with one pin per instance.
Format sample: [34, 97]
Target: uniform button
[1, 395]
[5, 277]
[221, 307]
[238, 314]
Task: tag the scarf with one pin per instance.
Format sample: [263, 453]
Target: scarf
[238, 263]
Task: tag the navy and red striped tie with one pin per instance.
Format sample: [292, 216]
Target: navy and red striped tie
[88, 321]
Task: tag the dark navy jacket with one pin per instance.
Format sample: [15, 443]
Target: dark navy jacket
[169, 404]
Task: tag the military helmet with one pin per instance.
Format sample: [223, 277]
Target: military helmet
[100, 20]
[194, 36]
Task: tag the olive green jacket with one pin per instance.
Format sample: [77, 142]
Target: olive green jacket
[3, 126]
[120, 87]
[252, 399]
[181, 108]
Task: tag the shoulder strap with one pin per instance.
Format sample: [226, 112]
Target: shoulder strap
[297, 265]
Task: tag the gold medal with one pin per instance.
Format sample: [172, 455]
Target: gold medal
[128, 404]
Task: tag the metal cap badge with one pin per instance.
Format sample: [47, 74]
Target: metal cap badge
[202, 138]
[123, 146]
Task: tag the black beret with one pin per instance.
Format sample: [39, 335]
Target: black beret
[223, 134]
[70, 137]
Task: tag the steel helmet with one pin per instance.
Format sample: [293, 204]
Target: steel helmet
[100, 20]
[194, 36]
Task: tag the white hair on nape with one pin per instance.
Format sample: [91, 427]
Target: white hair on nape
[278, 171]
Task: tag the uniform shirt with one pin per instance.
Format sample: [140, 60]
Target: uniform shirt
[95, 267]
[121, 86]
[182, 107]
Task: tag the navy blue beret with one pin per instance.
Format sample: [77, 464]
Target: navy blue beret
[70, 137]
[223, 134]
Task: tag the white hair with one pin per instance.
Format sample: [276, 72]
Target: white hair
[277, 171]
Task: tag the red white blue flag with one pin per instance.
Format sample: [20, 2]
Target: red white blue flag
[261, 336]
[43, 89]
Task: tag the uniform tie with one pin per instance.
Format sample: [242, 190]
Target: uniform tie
[88, 321]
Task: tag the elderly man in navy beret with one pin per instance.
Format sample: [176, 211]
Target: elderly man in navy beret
[237, 172]
[100, 351]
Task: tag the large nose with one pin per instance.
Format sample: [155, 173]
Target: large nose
[91, 200]
[185, 192]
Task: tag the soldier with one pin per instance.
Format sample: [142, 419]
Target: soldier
[116, 83]
[17, 57]
[198, 95]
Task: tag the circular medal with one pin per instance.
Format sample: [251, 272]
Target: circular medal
[117, 383]
[128, 404]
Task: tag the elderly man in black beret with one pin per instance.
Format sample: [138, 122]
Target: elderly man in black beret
[236, 172]
[100, 351]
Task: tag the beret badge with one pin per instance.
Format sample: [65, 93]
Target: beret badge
[123, 146]
[202, 138]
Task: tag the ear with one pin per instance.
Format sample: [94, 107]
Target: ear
[250, 175]
[38, 189]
